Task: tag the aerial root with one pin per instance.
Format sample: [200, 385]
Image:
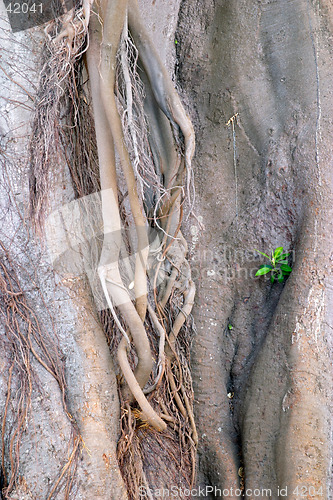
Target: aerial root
[174, 390]
[184, 313]
[147, 411]
[119, 127]
[161, 356]
[161, 83]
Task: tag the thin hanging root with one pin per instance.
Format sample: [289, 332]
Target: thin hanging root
[190, 416]
[4, 423]
[174, 390]
[165, 415]
[161, 83]
[193, 460]
[147, 411]
[177, 254]
[103, 43]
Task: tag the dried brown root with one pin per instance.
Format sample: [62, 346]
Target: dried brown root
[190, 416]
[108, 268]
[69, 29]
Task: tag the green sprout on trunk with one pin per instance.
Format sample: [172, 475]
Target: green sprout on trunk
[278, 267]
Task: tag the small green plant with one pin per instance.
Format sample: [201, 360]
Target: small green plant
[230, 326]
[278, 267]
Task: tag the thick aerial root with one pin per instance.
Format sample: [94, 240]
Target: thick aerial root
[108, 130]
[113, 25]
[148, 413]
[116, 291]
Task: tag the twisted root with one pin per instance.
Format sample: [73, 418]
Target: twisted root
[108, 22]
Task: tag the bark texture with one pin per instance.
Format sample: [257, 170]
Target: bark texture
[270, 180]
[263, 179]
[52, 442]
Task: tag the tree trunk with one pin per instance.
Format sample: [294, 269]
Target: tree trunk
[256, 79]
[268, 175]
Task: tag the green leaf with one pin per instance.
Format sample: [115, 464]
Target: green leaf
[264, 254]
[280, 279]
[230, 326]
[284, 255]
[264, 270]
[272, 278]
[277, 252]
[282, 261]
[285, 268]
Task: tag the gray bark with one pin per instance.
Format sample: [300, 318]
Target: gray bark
[268, 185]
[67, 313]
